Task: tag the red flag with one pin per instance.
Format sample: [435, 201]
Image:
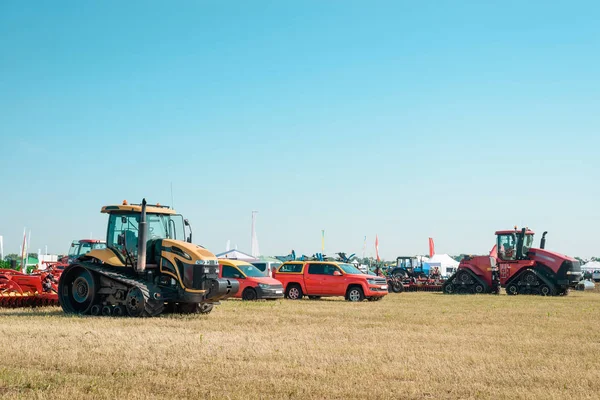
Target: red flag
[431, 248]
[377, 247]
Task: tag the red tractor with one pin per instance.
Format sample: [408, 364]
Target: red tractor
[516, 266]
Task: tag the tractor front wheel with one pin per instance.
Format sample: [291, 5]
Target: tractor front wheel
[77, 290]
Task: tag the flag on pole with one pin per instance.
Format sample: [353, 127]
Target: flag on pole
[431, 248]
[377, 247]
[364, 247]
[24, 252]
[322, 240]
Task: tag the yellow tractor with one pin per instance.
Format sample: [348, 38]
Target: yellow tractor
[149, 266]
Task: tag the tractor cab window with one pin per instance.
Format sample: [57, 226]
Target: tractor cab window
[126, 225]
[85, 248]
[527, 243]
[74, 250]
[507, 247]
[160, 226]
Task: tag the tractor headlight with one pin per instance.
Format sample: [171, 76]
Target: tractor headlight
[207, 262]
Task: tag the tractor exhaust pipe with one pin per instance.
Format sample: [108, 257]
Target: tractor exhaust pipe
[141, 259]
[520, 241]
[543, 240]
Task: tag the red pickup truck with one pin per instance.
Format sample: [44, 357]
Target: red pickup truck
[327, 278]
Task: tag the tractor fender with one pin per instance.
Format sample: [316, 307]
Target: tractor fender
[106, 256]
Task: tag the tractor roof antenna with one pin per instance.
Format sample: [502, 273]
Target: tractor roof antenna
[172, 201]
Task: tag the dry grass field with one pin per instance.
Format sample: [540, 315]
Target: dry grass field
[408, 346]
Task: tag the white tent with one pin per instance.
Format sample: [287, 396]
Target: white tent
[444, 262]
[591, 266]
[237, 255]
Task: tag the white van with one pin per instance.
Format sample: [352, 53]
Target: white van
[267, 266]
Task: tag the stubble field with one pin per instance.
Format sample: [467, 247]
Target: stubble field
[407, 346]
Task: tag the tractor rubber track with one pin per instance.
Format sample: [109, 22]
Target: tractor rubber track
[152, 306]
[542, 281]
[454, 286]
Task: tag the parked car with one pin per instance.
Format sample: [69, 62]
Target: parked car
[317, 279]
[253, 283]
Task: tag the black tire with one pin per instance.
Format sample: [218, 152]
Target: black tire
[314, 297]
[118, 311]
[249, 294]
[135, 302]
[294, 292]
[107, 311]
[355, 294]
[530, 279]
[77, 290]
[449, 288]
[546, 290]
[512, 289]
[479, 288]
[96, 309]
[464, 277]
[397, 287]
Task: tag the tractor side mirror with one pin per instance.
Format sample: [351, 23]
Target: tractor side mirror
[121, 239]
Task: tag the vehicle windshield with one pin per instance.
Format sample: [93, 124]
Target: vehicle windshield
[251, 271]
[160, 226]
[86, 247]
[408, 263]
[350, 269]
[527, 243]
[79, 249]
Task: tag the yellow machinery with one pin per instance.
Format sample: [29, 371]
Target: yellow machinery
[149, 266]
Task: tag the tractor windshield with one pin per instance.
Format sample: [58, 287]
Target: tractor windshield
[527, 243]
[507, 247]
[160, 226]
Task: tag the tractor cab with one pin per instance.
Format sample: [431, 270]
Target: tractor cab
[124, 222]
[514, 245]
[81, 247]
[410, 264]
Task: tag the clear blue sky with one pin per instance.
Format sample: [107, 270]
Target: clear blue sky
[446, 119]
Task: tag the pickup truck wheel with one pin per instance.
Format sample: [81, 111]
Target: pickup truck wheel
[294, 292]
[249, 294]
[355, 294]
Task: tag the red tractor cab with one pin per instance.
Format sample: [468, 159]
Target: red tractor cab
[515, 265]
[81, 247]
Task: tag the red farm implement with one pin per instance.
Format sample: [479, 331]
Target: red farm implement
[409, 276]
[29, 290]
